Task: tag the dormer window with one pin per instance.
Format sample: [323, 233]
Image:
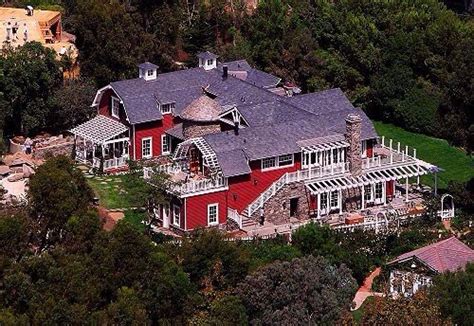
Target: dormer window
[167, 108]
[150, 72]
[115, 107]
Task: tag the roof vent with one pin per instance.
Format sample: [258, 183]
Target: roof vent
[207, 60]
[147, 71]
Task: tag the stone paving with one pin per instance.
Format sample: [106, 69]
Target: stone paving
[365, 290]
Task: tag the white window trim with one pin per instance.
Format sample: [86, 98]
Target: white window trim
[151, 147]
[168, 138]
[277, 163]
[363, 149]
[334, 194]
[114, 99]
[172, 106]
[174, 215]
[216, 205]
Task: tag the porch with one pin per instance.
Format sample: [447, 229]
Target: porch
[102, 143]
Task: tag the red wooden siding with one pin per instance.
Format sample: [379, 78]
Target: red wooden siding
[105, 109]
[154, 130]
[313, 202]
[245, 189]
[196, 209]
[389, 188]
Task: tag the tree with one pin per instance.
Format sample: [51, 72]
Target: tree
[212, 262]
[227, 311]
[454, 294]
[71, 104]
[419, 310]
[57, 191]
[30, 74]
[306, 290]
[13, 235]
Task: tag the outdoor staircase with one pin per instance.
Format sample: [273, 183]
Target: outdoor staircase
[248, 223]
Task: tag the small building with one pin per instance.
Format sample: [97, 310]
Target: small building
[414, 270]
[19, 26]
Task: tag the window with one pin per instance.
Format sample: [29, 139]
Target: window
[146, 147]
[115, 107]
[268, 163]
[212, 214]
[334, 199]
[378, 190]
[150, 72]
[285, 160]
[335, 155]
[324, 201]
[165, 144]
[167, 108]
[368, 193]
[210, 62]
[176, 215]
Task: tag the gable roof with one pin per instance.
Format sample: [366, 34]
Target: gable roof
[147, 66]
[446, 255]
[242, 70]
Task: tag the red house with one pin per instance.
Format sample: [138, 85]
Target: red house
[242, 150]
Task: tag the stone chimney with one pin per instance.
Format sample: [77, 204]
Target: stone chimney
[353, 129]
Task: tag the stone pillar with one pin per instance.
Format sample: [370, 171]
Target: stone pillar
[353, 130]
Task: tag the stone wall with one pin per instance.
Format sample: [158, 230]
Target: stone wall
[353, 130]
[277, 209]
[193, 129]
[54, 150]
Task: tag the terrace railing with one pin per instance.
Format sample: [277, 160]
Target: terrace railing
[190, 186]
[296, 176]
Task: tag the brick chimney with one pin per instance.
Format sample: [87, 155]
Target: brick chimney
[353, 129]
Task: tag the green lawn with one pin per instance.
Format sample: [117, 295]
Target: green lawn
[111, 191]
[359, 313]
[135, 217]
[457, 165]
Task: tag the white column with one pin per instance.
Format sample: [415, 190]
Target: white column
[363, 199]
[340, 201]
[319, 205]
[391, 151]
[328, 203]
[406, 189]
[384, 192]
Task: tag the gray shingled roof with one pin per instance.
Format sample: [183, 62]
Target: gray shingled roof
[206, 55]
[147, 65]
[233, 163]
[176, 131]
[242, 70]
[99, 129]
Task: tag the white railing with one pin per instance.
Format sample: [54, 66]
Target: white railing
[115, 163]
[192, 186]
[446, 213]
[204, 185]
[233, 215]
[169, 168]
[398, 153]
[366, 225]
[111, 163]
[296, 176]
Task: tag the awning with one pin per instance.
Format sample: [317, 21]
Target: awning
[325, 143]
[99, 129]
[371, 177]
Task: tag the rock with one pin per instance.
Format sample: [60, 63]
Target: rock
[16, 177]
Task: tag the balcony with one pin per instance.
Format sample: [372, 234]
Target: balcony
[184, 184]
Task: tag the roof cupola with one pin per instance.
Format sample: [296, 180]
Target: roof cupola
[207, 60]
[147, 71]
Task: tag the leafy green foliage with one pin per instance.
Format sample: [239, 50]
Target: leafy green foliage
[57, 191]
[305, 290]
[454, 293]
[29, 76]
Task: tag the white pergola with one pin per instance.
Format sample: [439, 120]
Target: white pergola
[103, 132]
[323, 150]
[373, 177]
[209, 156]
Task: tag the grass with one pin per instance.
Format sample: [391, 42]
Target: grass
[135, 217]
[457, 164]
[111, 191]
[359, 313]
